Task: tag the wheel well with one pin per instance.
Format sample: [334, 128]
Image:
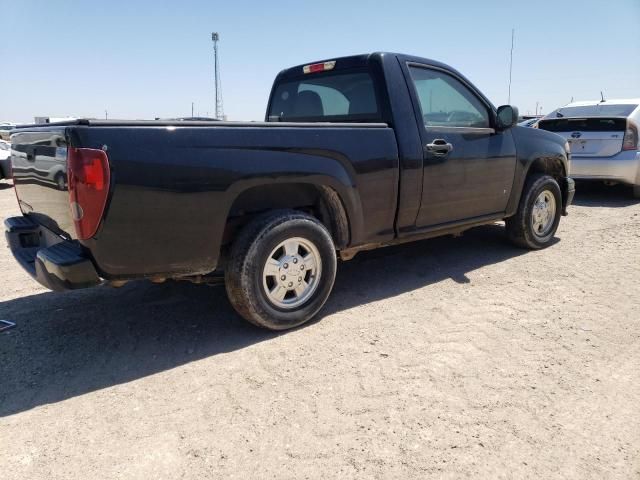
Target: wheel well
[550, 166]
[317, 200]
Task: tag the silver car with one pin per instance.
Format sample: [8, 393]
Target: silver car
[603, 137]
[4, 130]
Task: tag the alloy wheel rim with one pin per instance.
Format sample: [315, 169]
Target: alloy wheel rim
[543, 214]
[291, 273]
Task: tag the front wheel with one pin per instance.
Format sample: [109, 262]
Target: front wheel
[281, 270]
[536, 221]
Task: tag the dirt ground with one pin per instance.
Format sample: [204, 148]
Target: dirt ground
[447, 358]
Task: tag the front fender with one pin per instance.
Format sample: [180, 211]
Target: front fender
[536, 149]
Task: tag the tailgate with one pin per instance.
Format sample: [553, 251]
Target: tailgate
[39, 163]
[589, 137]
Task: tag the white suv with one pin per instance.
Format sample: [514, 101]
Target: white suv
[603, 137]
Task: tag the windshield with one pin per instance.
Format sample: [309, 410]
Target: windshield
[335, 97]
[600, 110]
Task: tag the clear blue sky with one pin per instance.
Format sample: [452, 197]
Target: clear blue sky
[148, 58]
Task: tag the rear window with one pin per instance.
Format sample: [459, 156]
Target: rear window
[623, 110]
[583, 124]
[335, 97]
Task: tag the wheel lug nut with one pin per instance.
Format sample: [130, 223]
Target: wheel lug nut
[283, 277]
[286, 265]
[299, 279]
[291, 284]
[301, 267]
[295, 260]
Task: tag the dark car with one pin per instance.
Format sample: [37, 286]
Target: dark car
[356, 153]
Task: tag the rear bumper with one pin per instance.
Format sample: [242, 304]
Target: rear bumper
[623, 167]
[55, 263]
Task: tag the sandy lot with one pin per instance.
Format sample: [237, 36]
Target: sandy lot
[448, 358]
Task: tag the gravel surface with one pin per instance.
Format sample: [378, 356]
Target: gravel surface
[446, 358]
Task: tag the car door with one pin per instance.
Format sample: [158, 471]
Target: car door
[468, 166]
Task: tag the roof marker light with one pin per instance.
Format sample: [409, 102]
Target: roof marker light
[319, 67]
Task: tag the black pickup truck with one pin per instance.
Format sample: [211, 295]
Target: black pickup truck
[355, 153]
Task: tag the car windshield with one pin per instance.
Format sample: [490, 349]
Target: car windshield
[600, 110]
[336, 97]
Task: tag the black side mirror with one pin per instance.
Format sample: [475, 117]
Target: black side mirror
[507, 117]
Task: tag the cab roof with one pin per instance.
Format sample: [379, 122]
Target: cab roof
[362, 60]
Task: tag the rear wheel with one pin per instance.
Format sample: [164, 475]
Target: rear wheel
[281, 270]
[538, 216]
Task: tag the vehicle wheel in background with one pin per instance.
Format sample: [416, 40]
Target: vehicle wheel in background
[61, 181]
[281, 269]
[536, 222]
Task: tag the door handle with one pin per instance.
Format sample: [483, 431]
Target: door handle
[438, 147]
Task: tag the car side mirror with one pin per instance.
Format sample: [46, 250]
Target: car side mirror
[507, 117]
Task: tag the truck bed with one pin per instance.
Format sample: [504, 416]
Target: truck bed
[179, 181]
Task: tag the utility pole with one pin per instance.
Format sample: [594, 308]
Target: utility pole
[215, 37]
[191, 109]
[106, 115]
[513, 33]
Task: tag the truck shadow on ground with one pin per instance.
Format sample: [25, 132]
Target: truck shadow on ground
[73, 343]
[5, 186]
[597, 194]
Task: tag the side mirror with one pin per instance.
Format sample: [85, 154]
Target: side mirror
[507, 117]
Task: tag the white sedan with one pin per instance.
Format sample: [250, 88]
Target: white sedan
[603, 137]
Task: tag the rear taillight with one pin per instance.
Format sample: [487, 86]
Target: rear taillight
[88, 180]
[630, 140]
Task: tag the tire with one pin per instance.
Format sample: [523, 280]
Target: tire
[534, 228]
[636, 191]
[61, 181]
[255, 288]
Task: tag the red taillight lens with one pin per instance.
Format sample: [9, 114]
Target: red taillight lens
[319, 67]
[630, 140]
[88, 179]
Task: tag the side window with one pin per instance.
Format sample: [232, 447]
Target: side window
[446, 102]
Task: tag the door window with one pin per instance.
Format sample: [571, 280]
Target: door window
[446, 102]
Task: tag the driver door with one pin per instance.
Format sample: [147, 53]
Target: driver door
[468, 167]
